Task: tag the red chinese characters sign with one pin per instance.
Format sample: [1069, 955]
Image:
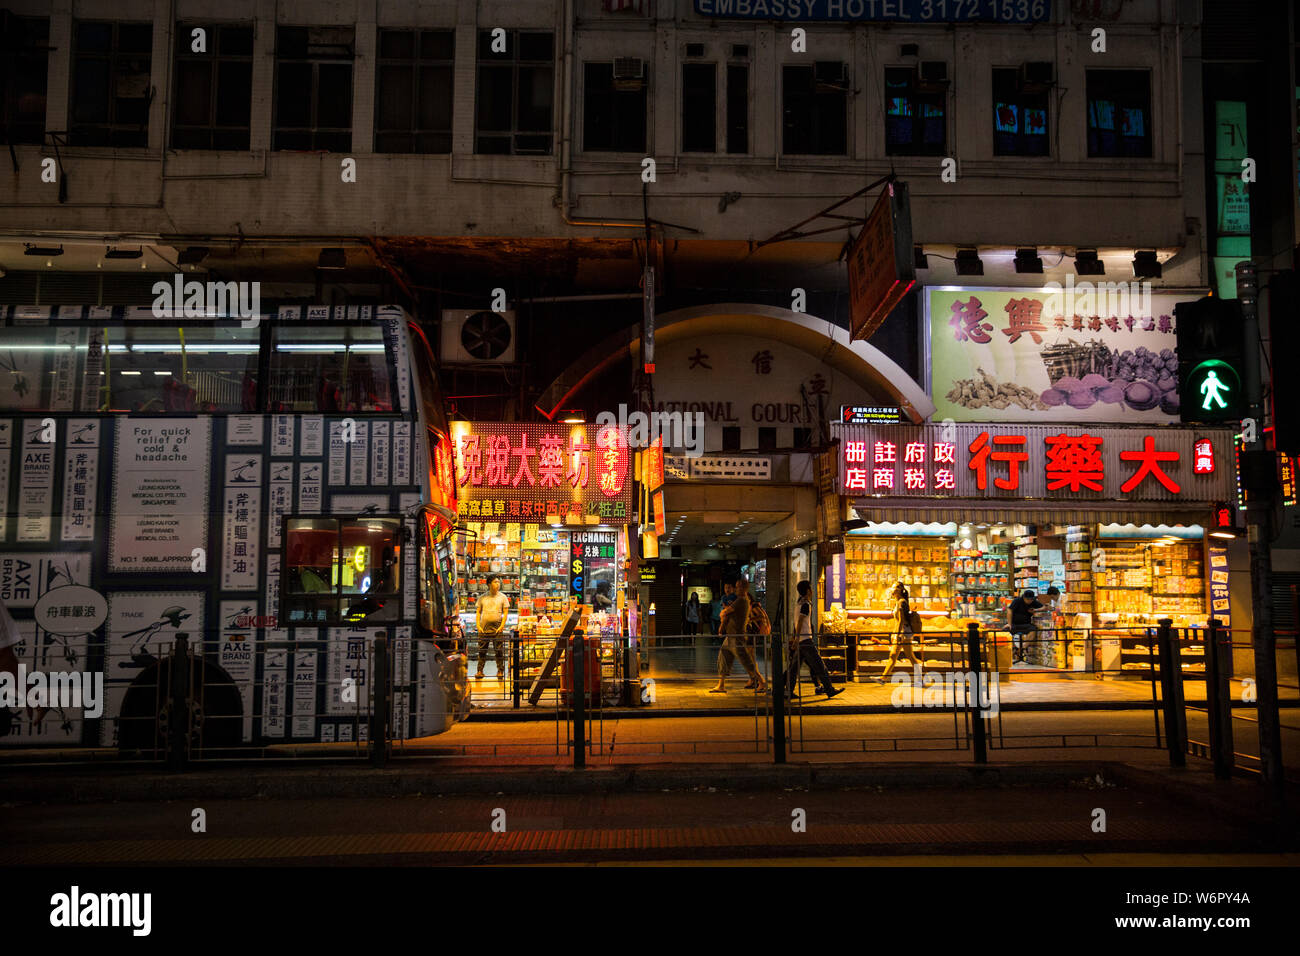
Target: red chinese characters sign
[529, 473]
[990, 461]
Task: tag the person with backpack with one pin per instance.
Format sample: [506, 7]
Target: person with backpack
[803, 649]
[907, 623]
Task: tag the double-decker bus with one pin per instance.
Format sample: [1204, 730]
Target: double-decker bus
[278, 490]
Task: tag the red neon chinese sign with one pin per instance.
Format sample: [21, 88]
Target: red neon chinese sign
[1203, 457]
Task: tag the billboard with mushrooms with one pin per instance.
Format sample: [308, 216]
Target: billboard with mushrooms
[1085, 352]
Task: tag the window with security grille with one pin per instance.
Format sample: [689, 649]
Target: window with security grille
[814, 107]
[1019, 117]
[914, 118]
[1119, 113]
[613, 109]
[516, 93]
[111, 91]
[213, 94]
[413, 101]
[313, 88]
[24, 69]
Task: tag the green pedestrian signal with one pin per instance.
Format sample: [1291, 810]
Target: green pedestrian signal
[1216, 388]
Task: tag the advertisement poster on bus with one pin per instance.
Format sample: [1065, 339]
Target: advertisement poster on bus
[1082, 352]
[160, 493]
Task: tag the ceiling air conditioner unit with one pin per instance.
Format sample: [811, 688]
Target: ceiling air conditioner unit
[629, 73]
[477, 337]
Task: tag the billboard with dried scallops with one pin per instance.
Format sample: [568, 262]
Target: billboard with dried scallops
[1085, 352]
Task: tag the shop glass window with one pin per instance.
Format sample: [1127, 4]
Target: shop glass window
[38, 369]
[814, 104]
[1119, 113]
[168, 369]
[516, 92]
[313, 88]
[335, 368]
[1019, 117]
[213, 94]
[342, 571]
[699, 108]
[111, 65]
[24, 69]
[914, 119]
[737, 108]
[413, 101]
[613, 119]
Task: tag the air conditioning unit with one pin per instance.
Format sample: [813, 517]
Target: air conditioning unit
[1036, 77]
[932, 76]
[629, 73]
[477, 337]
[830, 75]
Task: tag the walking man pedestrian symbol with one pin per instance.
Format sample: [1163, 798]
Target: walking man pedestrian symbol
[1211, 388]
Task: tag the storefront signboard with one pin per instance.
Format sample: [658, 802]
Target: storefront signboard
[530, 472]
[895, 11]
[834, 590]
[1085, 352]
[1013, 462]
[661, 519]
[882, 267]
[872, 415]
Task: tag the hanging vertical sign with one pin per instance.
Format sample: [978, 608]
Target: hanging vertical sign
[1220, 603]
[648, 320]
[881, 265]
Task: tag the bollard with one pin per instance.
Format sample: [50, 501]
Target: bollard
[579, 692]
[379, 710]
[178, 730]
[777, 686]
[1218, 698]
[1171, 692]
[972, 700]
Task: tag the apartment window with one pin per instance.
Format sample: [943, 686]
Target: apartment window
[110, 84]
[737, 108]
[814, 103]
[731, 438]
[414, 91]
[214, 90]
[613, 106]
[1119, 113]
[914, 120]
[516, 93]
[313, 88]
[699, 108]
[1019, 117]
[766, 439]
[24, 69]
[803, 438]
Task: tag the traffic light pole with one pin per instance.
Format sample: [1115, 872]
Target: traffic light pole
[1259, 520]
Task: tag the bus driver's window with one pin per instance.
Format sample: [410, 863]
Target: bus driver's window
[370, 570]
[339, 572]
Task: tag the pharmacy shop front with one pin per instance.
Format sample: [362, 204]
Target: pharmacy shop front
[1121, 521]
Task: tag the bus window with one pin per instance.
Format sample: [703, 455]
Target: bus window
[38, 369]
[433, 613]
[336, 368]
[194, 368]
[347, 571]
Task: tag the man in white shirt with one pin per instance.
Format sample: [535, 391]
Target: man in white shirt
[490, 618]
[804, 649]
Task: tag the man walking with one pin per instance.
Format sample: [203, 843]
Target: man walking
[735, 643]
[803, 649]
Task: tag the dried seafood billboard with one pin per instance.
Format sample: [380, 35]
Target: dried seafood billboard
[1085, 352]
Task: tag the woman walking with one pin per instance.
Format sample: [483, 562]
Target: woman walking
[693, 614]
[902, 637]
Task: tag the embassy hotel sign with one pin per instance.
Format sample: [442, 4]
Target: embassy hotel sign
[1011, 462]
[897, 11]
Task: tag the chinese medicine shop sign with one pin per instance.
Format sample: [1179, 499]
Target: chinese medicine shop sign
[1055, 462]
[513, 472]
[1088, 352]
[898, 11]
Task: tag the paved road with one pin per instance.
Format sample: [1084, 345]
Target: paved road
[628, 826]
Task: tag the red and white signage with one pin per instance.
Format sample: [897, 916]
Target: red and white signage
[1204, 452]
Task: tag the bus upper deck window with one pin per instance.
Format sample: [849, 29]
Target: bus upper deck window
[179, 369]
[335, 368]
[38, 368]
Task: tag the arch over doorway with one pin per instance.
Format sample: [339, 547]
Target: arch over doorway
[859, 361]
